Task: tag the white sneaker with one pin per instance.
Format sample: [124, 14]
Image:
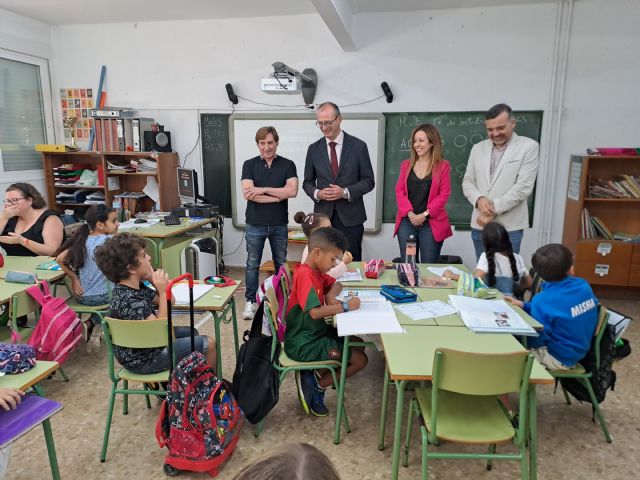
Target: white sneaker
[249, 310]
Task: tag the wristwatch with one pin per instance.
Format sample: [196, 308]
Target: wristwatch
[345, 306]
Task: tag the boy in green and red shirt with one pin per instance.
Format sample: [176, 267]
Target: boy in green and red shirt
[308, 337]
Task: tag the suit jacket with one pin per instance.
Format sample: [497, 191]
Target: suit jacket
[354, 172]
[512, 183]
[436, 203]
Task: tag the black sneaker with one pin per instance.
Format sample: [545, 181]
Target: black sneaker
[317, 407]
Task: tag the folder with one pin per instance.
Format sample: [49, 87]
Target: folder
[139, 126]
[113, 131]
[120, 127]
[98, 128]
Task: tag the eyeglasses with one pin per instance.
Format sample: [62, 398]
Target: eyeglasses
[326, 124]
[12, 201]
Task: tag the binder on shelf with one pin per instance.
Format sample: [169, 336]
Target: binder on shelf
[113, 131]
[139, 126]
[120, 127]
[112, 112]
[128, 134]
[106, 137]
[98, 129]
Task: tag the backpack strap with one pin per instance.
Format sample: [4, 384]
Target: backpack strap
[256, 324]
[45, 288]
[36, 292]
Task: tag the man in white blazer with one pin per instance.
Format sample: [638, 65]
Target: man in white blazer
[500, 176]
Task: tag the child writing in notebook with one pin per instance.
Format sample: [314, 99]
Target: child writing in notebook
[76, 258]
[311, 222]
[498, 266]
[124, 261]
[308, 337]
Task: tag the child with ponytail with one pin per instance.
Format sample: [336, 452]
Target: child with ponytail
[313, 221]
[498, 266]
[76, 258]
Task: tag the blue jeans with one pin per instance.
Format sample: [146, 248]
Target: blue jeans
[94, 301]
[515, 236]
[255, 236]
[428, 249]
[181, 348]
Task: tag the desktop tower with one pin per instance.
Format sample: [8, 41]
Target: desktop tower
[200, 258]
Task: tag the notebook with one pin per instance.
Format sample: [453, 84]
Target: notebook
[31, 412]
[180, 292]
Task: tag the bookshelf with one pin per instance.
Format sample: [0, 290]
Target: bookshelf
[113, 183]
[600, 260]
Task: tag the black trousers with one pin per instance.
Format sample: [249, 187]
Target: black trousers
[353, 234]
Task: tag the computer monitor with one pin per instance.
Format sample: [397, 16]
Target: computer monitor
[188, 186]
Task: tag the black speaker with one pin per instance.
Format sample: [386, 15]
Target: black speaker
[158, 141]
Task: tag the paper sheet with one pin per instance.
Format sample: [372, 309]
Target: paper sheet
[180, 292]
[152, 190]
[422, 310]
[440, 270]
[355, 276]
[369, 318]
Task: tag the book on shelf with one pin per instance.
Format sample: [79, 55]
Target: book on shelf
[592, 227]
[621, 186]
[627, 237]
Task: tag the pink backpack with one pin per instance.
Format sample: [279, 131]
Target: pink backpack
[274, 281]
[58, 330]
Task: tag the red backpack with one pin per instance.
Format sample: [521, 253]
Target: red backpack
[58, 330]
[200, 420]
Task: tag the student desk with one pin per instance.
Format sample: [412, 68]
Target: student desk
[24, 381]
[166, 242]
[295, 237]
[219, 308]
[15, 293]
[390, 276]
[410, 358]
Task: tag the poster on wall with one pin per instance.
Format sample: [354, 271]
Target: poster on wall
[77, 102]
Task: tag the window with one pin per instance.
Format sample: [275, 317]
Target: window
[25, 110]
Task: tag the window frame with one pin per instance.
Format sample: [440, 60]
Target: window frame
[10, 176]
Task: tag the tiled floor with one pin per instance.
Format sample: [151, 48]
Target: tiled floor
[571, 446]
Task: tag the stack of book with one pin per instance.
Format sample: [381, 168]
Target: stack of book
[621, 186]
[66, 174]
[593, 227]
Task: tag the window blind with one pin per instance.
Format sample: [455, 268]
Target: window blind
[22, 123]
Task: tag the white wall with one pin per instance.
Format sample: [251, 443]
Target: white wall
[602, 93]
[25, 36]
[441, 60]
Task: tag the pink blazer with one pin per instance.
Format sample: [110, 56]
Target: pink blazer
[438, 196]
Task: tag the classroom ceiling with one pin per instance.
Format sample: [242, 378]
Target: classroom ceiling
[62, 12]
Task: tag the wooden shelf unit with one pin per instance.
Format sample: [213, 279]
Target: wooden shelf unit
[128, 182]
[600, 261]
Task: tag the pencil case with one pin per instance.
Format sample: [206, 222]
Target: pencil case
[374, 268]
[15, 276]
[397, 294]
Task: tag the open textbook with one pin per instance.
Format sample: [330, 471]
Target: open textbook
[371, 317]
[422, 310]
[490, 316]
[351, 276]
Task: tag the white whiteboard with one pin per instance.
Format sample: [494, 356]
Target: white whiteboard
[297, 132]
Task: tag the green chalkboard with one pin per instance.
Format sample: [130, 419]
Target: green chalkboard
[214, 134]
[459, 131]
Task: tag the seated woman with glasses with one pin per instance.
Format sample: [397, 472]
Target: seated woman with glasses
[28, 228]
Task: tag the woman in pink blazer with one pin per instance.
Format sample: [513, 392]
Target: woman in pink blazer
[422, 191]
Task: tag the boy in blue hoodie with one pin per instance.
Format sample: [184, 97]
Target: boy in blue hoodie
[566, 307]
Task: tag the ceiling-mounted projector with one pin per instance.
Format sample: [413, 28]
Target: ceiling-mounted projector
[280, 83]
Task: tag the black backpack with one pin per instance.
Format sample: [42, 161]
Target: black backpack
[603, 378]
[255, 381]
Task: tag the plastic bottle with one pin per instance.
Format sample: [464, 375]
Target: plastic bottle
[410, 252]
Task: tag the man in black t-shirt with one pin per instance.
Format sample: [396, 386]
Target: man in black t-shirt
[267, 182]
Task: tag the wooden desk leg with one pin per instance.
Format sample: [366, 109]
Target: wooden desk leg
[395, 459]
[383, 409]
[341, 388]
[533, 435]
[48, 438]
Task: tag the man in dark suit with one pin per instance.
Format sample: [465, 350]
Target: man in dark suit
[337, 174]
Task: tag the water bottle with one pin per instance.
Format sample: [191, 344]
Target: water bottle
[410, 252]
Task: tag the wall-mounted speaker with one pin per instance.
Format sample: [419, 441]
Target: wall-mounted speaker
[159, 141]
